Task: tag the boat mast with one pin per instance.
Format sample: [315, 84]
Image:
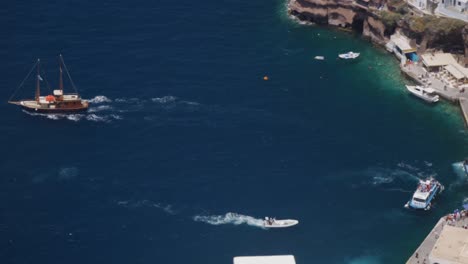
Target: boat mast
[38, 82]
[61, 79]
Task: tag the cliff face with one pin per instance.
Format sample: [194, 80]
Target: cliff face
[341, 13]
[364, 16]
[465, 43]
[375, 30]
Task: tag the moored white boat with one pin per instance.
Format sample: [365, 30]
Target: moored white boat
[281, 223]
[319, 57]
[425, 194]
[349, 55]
[427, 94]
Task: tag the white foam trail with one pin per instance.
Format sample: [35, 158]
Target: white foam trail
[99, 99]
[75, 118]
[53, 117]
[146, 203]
[127, 100]
[96, 118]
[398, 190]
[165, 99]
[116, 117]
[377, 180]
[67, 173]
[166, 208]
[459, 170]
[229, 218]
[100, 108]
[191, 103]
[407, 166]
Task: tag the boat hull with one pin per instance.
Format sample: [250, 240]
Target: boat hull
[427, 99]
[281, 223]
[56, 110]
[427, 205]
[349, 56]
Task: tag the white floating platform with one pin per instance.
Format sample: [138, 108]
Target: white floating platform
[281, 259]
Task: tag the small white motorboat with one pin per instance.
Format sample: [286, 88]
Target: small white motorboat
[427, 94]
[319, 57]
[349, 55]
[270, 222]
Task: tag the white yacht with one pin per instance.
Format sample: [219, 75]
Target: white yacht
[427, 94]
[349, 55]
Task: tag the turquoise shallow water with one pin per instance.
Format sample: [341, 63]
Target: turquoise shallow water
[183, 130]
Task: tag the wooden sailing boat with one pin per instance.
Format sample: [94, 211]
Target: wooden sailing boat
[58, 102]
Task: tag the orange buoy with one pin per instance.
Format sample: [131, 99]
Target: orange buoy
[265, 78]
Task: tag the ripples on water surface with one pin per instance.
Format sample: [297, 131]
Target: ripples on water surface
[183, 130]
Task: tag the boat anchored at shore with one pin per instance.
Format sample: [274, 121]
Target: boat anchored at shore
[270, 222]
[425, 194]
[58, 102]
[427, 94]
[349, 55]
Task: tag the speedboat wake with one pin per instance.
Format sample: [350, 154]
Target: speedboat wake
[230, 218]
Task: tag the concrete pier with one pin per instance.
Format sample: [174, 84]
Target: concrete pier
[448, 93]
[422, 253]
[426, 246]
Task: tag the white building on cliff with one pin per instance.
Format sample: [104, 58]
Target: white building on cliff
[457, 9]
[424, 6]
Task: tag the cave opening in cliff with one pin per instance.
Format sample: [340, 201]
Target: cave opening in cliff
[358, 24]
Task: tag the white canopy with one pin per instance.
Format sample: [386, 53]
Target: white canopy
[437, 59]
[455, 72]
[402, 43]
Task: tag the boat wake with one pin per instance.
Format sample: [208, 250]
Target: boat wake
[383, 176]
[104, 109]
[167, 208]
[462, 179]
[230, 218]
[67, 173]
[395, 179]
[459, 170]
[78, 117]
[164, 100]
[99, 100]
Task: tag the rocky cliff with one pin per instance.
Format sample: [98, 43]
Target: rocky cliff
[378, 20]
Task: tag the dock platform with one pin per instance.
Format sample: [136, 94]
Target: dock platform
[422, 253]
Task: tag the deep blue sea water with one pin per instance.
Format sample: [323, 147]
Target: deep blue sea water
[183, 130]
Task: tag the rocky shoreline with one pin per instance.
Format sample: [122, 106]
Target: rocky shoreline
[377, 20]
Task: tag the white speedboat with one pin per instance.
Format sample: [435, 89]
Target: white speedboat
[425, 194]
[427, 94]
[349, 55]
[274, 223]
[319, 57]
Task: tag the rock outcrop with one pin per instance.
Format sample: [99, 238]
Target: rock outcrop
[377, 24]
[375, 30]
[341, 13]
[465, 43]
